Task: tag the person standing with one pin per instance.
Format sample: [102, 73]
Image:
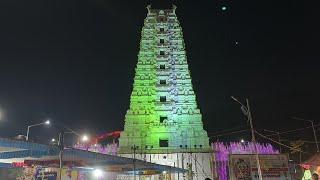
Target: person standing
[307, 175]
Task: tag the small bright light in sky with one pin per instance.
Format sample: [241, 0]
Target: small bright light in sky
[47, 122]
[223, 8]
[242, 140]
[53, 140]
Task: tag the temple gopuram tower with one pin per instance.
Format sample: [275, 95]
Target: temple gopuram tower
[164, 124]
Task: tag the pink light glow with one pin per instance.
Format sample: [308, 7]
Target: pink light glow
[222, 151]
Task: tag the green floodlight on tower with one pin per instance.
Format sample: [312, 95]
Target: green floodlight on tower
[163, 114]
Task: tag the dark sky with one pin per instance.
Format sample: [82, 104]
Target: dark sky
[73, 61]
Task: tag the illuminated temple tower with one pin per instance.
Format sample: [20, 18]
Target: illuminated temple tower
[164, 124]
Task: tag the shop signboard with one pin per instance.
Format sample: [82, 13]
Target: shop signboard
[273, 167]
[43, 175]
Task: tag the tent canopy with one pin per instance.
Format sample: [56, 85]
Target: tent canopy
[312, 161]
[48, 155]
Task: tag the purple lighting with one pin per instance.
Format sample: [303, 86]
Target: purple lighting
[222, 151]
[111, 149]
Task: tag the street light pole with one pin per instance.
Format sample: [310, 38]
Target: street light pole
[28, 129]
[61, 145]
[315, 136]
[47, 122]
[61, 148]
[314, 131]
[134, 148]
[0, 115]
[253, 138]
[250, 121]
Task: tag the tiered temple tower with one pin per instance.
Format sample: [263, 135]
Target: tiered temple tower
[163, 117]
[163, 110]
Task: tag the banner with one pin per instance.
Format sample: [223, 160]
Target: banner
[273, 167]
[42, 174]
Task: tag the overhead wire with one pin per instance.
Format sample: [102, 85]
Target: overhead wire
[263, 136]
[293, 130]
[232, 132]
[275, 134]
[226, 130]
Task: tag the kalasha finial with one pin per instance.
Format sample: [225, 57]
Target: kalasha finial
[174, 7]
[149, 8]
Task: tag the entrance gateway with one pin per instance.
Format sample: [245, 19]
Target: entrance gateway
[163, 124]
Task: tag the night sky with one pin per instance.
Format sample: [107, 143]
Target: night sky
[73, 61]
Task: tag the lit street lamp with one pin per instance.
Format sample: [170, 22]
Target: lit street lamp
[82, 138]
[314, 131]
[85, 138]
[53, 141]
[47, 122]
[97, 173]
